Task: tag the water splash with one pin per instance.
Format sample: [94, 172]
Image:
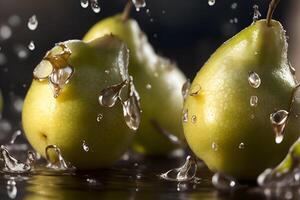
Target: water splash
[187, 172]
[278, 120]
[55, 69]
[132, 108]
[256, 13]
[16, 134]
[254, 80]
[185, 88]
[224, 182]
[11, 164]
[139, 4]
[61, 164]
[32, 23]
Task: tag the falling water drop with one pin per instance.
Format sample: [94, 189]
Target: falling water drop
[254, 80]
[61, 164]
[278, 120]
[95, 6]
[31, 46]
[32, 23]
[211, 2]
[139, 4]
[185, 88]
[253, 101]
[84, 3]
[85, 146]
[11, 188]
[184, 173]
[234, 5]
[256, 13]
[11, 164]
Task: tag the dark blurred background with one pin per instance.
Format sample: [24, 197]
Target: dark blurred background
[187, 31]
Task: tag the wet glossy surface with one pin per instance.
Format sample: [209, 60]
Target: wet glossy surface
[137, 178]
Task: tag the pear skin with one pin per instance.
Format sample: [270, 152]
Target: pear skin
[72, 118]
[159, 84]
[231, 134]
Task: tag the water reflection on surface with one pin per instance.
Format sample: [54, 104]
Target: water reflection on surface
[130, 180]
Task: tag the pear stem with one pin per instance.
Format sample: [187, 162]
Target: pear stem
[126, 12]
[272, 6]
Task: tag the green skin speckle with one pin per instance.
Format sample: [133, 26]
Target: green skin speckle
[163, 102]
[223, 110]
[71, 118]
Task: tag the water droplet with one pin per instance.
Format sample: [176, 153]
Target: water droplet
[85, 147]
[5, 32]
[31, 46]
[234, 5]
[278, 120]
[241, 145]
[11, 188]
[84, 3]
[254, 80]
[95, 6]
[184, 173]
[99, 117]
[11, 164]
[211, 2]
[14, 20]
[132, 108]
[91, 181]
[214, 146]
[14, 136]
[253, 101]
[256, 13]
[21, 51]
[139, 4]
[195, 90]
[32, 23]
[185, 88]
[194, 119]
[224, 182]
[148, 86]
[292, 69]
[61, 164]
[109, 96]
[31, 158]
[185, 117]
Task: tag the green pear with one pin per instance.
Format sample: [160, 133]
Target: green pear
[237, 116]
[62, 105]
[158, 81]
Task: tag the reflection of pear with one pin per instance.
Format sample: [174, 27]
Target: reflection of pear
[246, 80]
[157, 80]
[84, 130]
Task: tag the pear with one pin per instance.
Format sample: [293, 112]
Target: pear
[158, 81]
[238, 116]
[79, 101]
